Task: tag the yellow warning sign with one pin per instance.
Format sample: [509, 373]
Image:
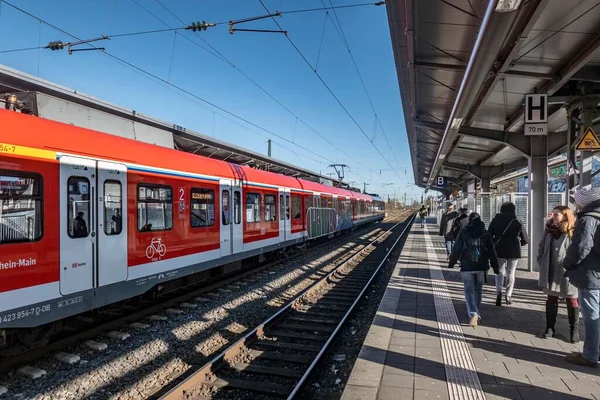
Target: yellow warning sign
[589, 141]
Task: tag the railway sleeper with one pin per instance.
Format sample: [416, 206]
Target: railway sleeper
[273, 355]
[307, 328]
[327, 321]
[293, 335]
[256, 386]
[320, 313]
[261, 369]
[290, 346]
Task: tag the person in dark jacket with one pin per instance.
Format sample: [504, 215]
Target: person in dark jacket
[475, 249]
[459, 223]
[582, 266]
[446, 227]
[423, 214]
[550, 255]
[509, 235]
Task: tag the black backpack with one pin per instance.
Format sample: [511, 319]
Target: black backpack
[475, 251]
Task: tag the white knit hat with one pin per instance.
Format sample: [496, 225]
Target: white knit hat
[585, 196]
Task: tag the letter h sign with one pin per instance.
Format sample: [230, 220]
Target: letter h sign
[536, 108]
[536, 114]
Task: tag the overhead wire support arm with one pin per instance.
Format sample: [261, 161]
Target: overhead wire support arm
[59, 45]
[241, 21]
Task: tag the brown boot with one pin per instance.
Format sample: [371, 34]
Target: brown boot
[579, 359]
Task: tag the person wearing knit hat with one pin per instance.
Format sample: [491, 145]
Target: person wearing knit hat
[585, 196]
[582, 266]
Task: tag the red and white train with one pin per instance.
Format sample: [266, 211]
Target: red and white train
[88, 219]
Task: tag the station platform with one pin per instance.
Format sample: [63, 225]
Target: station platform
[420, 345]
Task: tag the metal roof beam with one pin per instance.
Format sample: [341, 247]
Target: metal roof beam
[587, 74]
[516, 141]
[492, 171]
[495, 29]
[578, 61]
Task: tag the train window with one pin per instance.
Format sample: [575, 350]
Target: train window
[225, 211]
[287, 206]
[22, 208]
[78, 207]
[113, 206]
[155, 208]
[270, 208]
[253, 207]
[237, 207]
[309, 202]
[202, 207]
[296, 207]
[281, 207]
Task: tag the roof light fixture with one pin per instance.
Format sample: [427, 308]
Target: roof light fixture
[508, 5]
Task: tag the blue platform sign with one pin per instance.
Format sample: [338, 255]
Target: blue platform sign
[441, 182]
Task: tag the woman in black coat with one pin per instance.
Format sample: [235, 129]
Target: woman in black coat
[508, 234]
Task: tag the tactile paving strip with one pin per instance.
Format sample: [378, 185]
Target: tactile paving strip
[461, 375]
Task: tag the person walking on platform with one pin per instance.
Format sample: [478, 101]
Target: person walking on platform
[423, 214]
[551, 252]
[509, 235]
[459, 223]
[446, 227]
[475, 249]
[582, 265]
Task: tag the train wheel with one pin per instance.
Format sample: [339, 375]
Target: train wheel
[35, 337]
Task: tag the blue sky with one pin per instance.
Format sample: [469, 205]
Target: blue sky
[268, 58]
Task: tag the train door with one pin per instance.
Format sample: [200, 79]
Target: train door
[77, 185]
[112, 223]
[282, 220]
[237, 226]
[226, 227]
[288, 211]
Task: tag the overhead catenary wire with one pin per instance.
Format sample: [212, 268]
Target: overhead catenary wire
[343, 37]
[178, 90]
[244, 74]
[330, 91]
[157, 78]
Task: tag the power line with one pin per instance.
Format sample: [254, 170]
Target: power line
[343, 37]
[149, 74]
[179, 89]
[260, 87]
[329, 89]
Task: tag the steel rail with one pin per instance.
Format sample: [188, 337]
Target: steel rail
[337, 328]
[9, 362]
[195, 379]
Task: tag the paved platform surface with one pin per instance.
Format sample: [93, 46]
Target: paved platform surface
[420, 345]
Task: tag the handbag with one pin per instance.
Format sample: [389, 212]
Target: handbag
[505, 229]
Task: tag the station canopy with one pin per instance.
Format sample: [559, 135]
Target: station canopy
[49, 100]
[465, 66]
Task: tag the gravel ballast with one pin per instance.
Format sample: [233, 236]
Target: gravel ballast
[166, 351]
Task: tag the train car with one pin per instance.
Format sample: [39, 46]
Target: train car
[89, 219]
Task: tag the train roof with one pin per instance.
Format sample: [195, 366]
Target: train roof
[26, 130]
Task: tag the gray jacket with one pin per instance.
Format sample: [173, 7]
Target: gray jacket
[560, 285]
[582, 262]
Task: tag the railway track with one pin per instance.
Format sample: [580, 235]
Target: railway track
[89, 326]
[276, 357]
[224, 288]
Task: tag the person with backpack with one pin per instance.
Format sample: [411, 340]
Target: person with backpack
[446, 227]
[582, 266]
[509, 235]
[550, 255]
[475, 249]
[423, 214]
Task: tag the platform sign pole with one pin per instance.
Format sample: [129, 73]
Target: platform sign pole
[536, 114]
[588, 142]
